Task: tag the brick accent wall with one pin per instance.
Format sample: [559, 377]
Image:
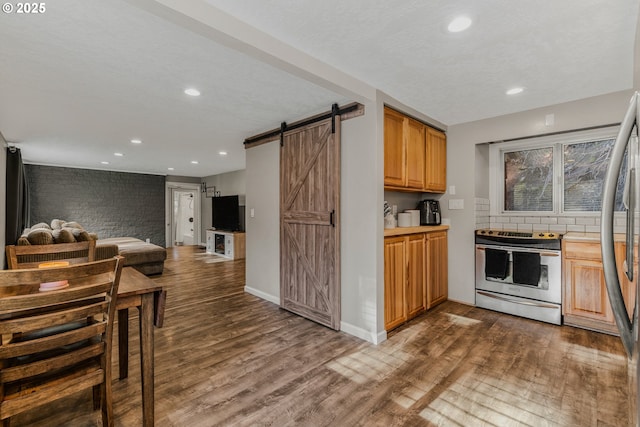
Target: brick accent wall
[112, 204]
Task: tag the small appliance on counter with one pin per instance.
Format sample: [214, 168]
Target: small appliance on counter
[429, 212]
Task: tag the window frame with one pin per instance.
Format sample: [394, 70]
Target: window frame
[557, 143]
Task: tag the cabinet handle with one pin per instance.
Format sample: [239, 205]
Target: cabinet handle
[331, 215]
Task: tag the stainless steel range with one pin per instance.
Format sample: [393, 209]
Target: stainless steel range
[519, 273]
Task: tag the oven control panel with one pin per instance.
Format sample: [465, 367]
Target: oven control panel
[517, 234]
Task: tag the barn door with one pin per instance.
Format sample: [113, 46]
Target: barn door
[309, 222]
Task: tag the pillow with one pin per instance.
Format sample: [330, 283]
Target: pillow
[41, 225]
[72, 224]
[23, 241]
[40, 236]
[82, 236]
[56, 224]
[63, 236]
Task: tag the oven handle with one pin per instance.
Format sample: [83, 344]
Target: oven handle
[479, 248]
[534, 304]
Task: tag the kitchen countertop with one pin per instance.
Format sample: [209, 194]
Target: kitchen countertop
[401, 231]
[576, 236]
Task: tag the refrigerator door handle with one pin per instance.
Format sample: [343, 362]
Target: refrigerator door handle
[625, 325]
[629, 240]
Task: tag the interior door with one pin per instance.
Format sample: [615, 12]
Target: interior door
[310, 222]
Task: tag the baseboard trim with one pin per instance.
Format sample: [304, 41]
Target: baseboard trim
[345, 327]
[263, 295]
[363, 334]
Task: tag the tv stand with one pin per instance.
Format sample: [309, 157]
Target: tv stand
[229, 244]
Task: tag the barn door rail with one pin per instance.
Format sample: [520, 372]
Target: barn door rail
[346, 112]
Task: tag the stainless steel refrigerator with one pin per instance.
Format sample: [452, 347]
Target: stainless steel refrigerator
[626, 141]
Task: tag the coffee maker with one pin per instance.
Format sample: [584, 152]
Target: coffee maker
[429, 212]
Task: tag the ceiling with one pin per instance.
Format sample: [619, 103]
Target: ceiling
[79, 81]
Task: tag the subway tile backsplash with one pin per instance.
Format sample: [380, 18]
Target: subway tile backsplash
[553, 224]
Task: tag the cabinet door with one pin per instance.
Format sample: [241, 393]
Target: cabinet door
[628, 288]
[416, 298]
[210, 242]
[586, 291]
[395, 279]
[228, 245]
[436, 161]
[416, 152]
[394, 149]
[437, 268]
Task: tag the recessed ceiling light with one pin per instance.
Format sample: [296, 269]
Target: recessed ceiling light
[515, 91]
[105, 163]
[170, 169]
[192, 92]
[222, 153]
[136, 141]
[460, 23]
[118, 154]
[194, 162]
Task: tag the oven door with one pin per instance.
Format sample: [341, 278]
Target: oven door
[517, 271]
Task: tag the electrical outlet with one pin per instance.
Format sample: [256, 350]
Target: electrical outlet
[455, 204]
[252, 213]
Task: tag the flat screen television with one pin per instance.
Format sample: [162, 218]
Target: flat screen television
[226, 213]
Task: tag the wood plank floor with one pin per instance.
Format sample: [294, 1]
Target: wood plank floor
[227, 358]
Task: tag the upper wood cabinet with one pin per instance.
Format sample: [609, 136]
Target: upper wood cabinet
[416, 152]
[414, 155]
[436, 161]
[394, 149]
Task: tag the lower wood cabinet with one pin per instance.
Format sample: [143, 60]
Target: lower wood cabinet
[585, 301]
[395, 279]
[437, 268]
[415, 275]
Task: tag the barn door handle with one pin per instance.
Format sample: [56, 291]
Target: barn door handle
[331, 215]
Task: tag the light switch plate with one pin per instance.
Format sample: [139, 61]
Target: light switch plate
[452, 190]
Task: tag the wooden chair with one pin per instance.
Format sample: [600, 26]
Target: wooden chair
[30, 256]
[48, 349]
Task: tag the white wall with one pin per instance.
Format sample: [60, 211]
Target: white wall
[462, 164]
[361, 227]
[263, 230]
[361, 224]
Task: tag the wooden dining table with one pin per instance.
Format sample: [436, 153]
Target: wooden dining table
[138, 290]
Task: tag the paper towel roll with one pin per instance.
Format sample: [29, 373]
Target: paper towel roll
[404, 219]
[415, 217]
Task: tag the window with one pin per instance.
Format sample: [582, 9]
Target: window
[562, 174]
[585, 166]
[528, 178]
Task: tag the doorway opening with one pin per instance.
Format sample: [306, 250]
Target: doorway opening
[183, 227]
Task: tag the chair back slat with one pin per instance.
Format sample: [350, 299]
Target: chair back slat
[30, 256]
[17, 303]
[29, 323]
[26, 401]
[56, 342]
[54, 363]
[46, 343]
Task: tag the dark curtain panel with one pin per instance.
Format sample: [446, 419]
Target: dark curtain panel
[17, 196]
